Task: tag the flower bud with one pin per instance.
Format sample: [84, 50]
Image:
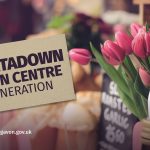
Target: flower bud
[134, 27]
[112, 53]
[80, 55]
[124, 41]
[145, 77]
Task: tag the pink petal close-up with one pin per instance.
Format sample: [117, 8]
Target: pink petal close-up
[134, 28]
[80, 55]
[124, 41]
[145, 77]
[139, 46]
[112, 53]
[147, 41]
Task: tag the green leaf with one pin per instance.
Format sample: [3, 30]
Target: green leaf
[138, 101]
[130, 67]
[149, 60]
[147, 27]
[131, 97]
[60, 21]
[126, 78]
[144, 62]
[140, 88]
[135, 97]
[145, 104]
[128, 102]
[110, 70]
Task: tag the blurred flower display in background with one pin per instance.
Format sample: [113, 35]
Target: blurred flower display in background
[20, 18]
[15, 20]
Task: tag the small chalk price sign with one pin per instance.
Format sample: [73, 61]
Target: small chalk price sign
[117, 122]
[35, 72]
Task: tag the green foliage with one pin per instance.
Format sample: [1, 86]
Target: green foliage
[60, 21]
[147, 27]
[130, 87]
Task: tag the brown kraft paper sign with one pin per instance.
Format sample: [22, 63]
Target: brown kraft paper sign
[35, 72]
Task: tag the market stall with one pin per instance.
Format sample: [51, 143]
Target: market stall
[109, 48]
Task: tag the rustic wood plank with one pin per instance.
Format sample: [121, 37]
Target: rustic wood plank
[141, 1]
[141, 13]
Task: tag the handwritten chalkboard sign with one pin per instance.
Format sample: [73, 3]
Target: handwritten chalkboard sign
[117, 122]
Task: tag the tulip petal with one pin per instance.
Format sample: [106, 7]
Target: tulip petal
[112, 53]
[82, 56]
[138, 46]
[124, 41]
[117, 51]
[81, 51]
[107, 51]
[134, 28]
[147, 40]
[108, 57]
[145, 77]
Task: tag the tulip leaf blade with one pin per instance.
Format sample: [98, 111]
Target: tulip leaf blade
[145, 104]
[137, 100]
[140, 88]
[149, 60]
[130, 67]
[110, 70]
[134, 96]
[147, 27]
[126, 78]
[128, 102]
[131, 90]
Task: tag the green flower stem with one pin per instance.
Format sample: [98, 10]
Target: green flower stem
[140, 106]
[145, 106]
[128, 83]
[110, 70]
[127, 72]
[144, 63]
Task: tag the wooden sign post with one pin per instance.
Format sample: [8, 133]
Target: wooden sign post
[144, 10]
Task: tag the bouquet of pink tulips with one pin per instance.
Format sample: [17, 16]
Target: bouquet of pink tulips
[116, 59]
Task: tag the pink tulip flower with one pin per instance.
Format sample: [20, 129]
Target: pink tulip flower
[141, 44]
[145, 77]
[80, 55]
[134, 28]
[147, 41]
[124, 41]
[112, 53]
